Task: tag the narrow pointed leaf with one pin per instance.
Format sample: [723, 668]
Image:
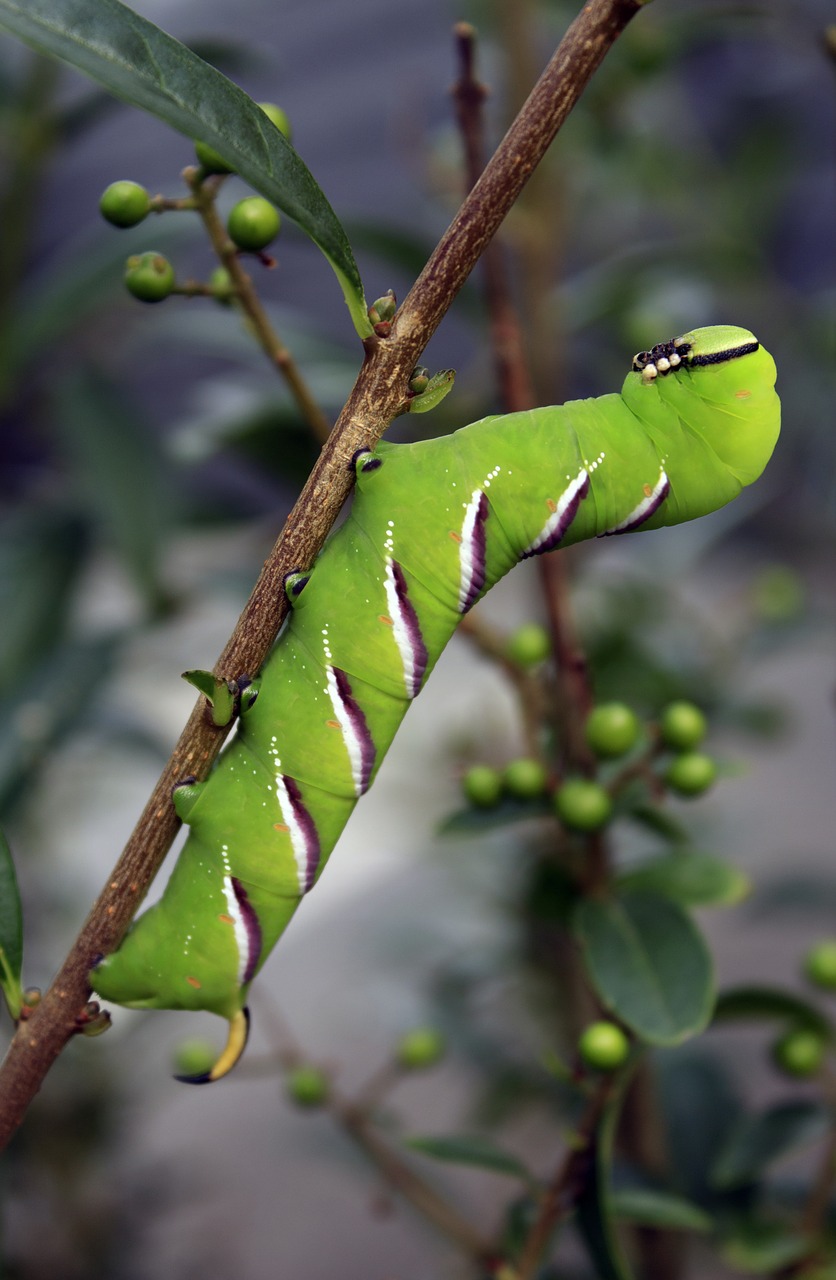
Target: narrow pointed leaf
[757, 1141]
[692, 879]
[771, 1004]
[472, 1149]
[649, 964]
[140, 63]
[11, 929]
[648, 1207]
[595, 1208]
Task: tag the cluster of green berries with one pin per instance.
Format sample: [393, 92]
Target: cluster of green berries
[611, 731]
[253, 223]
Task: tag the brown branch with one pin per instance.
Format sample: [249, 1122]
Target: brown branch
[566, 1186]
[374, 400]
[506, 339]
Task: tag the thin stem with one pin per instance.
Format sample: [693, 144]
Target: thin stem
[374, 400]
[568, 1182]
[247, 299]
[528, 687]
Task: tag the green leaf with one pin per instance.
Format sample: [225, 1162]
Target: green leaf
[119, 472]
[691, 879]
[656, 819]
[474, 822]
[143, 65]
[471, 1149]
[771, 1003]
[11, 931]
[649, 964]
[757, 1141]
[440, 385]
[218, 692]
[594, 1205]
[764, 1248]
[42, 553]
[651, 1208]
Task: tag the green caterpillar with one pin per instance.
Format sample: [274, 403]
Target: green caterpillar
[433, 526]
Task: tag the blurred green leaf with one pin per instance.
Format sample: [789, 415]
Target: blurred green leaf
[146, 67]
[770, 1003]
[764, 1248]
[758, 1141]
[36, 713]
[691, 879]
[472, 1150]
[656, 819]
[648, 1207]
[649, 964]
[474, 822]
[42, 552]
[594, 1205]
[11, 930]
[119, 473]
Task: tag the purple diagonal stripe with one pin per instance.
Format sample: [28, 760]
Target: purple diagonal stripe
[410, 629]
[305, 829]
[363, 752]
[252, 927]
[646, 508]
[556, 528]
[472, 557]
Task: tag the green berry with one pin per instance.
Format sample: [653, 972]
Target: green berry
[419, 1048]
[612, 729]
[691, 773]
[278, 117]
[820, 964]
[149, 276]
[482, 786]
[682, 726]
[221, 285]
[529, 645]
[307, 1086]
[194, 1057]
[778, 594]
[210, 160]
[253, 223]
[603, 1046]
[525, 779]
[799, 1052]
[125, 203]
[582, 805]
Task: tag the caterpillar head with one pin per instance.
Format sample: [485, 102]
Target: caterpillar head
[721, 383]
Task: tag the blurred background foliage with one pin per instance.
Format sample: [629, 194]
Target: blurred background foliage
[148, 455]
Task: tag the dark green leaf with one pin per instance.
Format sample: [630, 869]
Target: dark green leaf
[42, 552]
[691, 879]
[770, 1003]
[119, 473]
[474, 822]
[652, 1208]
[595, 1209]
[658, 820]
[764, 1248]
[757, 1141]
[648, 963]
[473, 1150]
[35, 714]
[138, 62]
[11, 930]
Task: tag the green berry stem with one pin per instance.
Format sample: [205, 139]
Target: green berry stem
[528, 684]
[356, 1117]
[245, 295]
